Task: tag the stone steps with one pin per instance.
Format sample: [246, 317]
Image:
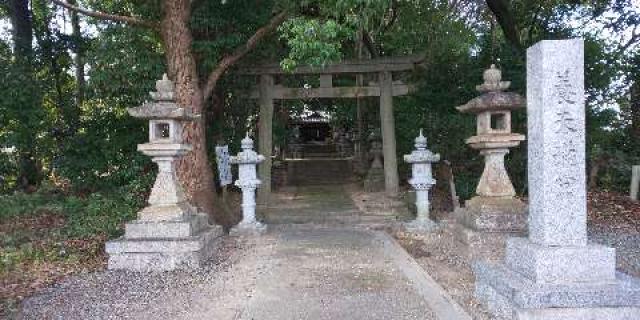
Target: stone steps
[320, 171]
[330, 220]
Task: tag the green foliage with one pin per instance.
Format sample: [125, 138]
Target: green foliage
[85, 217]
[312, 42]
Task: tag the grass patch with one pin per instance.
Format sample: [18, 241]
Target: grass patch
[47, 236]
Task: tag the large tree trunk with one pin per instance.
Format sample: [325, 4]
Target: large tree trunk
[193, 170]
[29, 170]
[78, 59]
[634, 105]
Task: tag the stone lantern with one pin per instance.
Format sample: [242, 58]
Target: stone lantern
[422, 181]
[169, 233]
[374, 180]
[494, 208]
[248, 182]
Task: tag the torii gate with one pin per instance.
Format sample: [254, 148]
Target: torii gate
[267, 91]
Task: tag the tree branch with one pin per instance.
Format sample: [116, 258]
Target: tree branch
[502, 11]
[240, 52]
[107, 16]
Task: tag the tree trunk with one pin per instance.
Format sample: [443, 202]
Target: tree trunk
[634, 106]
[21, 23]
[78, 59]
[194, 170]
[29, 171]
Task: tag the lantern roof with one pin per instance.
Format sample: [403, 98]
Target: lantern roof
[493, 98]
[163, 105]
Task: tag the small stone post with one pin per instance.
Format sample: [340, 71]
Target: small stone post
[169, 233]
[247, 160]
[422, 181]
[635, 183]
[556, 273]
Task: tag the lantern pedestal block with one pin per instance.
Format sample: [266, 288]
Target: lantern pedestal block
[164, 245]
[421, 226]
[248, 228]
[486, 222]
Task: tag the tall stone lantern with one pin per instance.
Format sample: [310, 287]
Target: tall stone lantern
[494, 208]
[169, 233]
[422, 180]
[248, 182]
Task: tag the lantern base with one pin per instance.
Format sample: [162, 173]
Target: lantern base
[249, 228]
[172, 212]
[421, 226]
[486, 222]
[150, 246]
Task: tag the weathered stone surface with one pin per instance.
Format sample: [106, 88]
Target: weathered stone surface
[493, 134]
[502, 309]
[247, 160]
[171, 212]
[149, 254]
[485, 223]
[555, 274]
[169, 233]
[494, 214]
[166, 229]
[556, 125]
[421, 180]
[543, 264]
[375, 179]
[523, 293]
[188, 244]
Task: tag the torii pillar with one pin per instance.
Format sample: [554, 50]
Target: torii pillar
[265, 136]
[387, 126]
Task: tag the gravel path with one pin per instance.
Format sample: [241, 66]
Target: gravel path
[125, 295]
[300, 272]
[626, 242]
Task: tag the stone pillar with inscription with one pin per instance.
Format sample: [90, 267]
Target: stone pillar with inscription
[555, 273]
[494, 213]
[169, 233]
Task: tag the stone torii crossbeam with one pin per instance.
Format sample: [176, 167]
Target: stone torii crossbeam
[267, 91]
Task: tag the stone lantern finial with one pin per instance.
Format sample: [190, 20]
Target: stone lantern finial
[164, 90]
[421, 141]
[246, 143]
[493, 80]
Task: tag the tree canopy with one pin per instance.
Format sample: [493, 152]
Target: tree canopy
[71, 68]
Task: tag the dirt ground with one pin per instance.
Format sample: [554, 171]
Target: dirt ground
[613, 220]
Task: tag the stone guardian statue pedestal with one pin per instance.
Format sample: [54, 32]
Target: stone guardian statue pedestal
[169, 233]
